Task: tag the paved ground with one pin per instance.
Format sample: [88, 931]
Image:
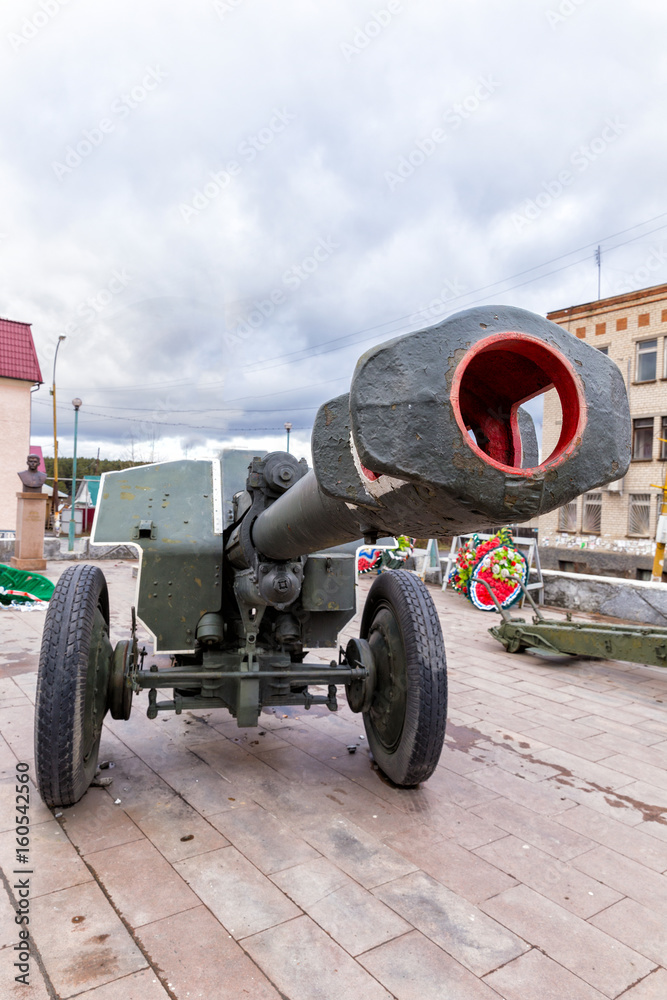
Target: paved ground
[271, 863]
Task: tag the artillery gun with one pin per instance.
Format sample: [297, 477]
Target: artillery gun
[430, 441]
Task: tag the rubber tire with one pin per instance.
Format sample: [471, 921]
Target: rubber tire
[72, 619]
[415, 756]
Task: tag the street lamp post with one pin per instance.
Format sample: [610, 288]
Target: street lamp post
[54, 498]
[288, 428]
[76, 403]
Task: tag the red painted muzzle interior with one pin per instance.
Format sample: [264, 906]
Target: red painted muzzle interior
[496, 377]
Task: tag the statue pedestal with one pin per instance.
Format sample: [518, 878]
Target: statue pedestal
[30, 521]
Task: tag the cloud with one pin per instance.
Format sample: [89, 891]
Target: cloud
[186, 92]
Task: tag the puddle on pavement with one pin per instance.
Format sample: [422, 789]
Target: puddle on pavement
[22, 663]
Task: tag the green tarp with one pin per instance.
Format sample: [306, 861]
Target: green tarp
[20, 587]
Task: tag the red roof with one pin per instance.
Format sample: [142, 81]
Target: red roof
[18, 358]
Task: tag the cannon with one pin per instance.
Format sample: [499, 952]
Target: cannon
[430, 441]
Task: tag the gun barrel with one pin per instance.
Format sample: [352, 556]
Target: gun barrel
[432, 440]
[304, 520]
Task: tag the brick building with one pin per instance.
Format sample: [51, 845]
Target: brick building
[19, 372]
[611, 531]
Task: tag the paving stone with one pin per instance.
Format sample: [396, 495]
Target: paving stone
[112, 747]
[535, 976]
[573, 711]
[554, 879]
[535, 829]
[654, 987]
[639, 769]
[460, 870]
[618, 805]
[308, 883]
[242, 899]
[10, 989]
[599, 774]
[565, 741]
[451, 822]
[542, 797]
[414, 968]
[640, 927]
[627, 876]
[350, 914]
[598, 959]
[615, 744]
[636, 842]
[358, 853]
[200, 960]
[620, 728]
[202, 787]
[38, 812]
[142, 885]
[16, 726]
[173, 826]
[95, 823]
[53, 860]
[262, 839]
[379, 818]
[555, 723]
[143, 985]
[305, 964]
[82, 942]
[459, 789]
[461, 929]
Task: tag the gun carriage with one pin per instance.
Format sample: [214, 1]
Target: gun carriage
[430, 441]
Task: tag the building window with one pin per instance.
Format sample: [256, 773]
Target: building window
[639, 514]
[642, 439]
[603, 350]
[663, 443]
[600, 329]
[644, 319]
[591, 520]
[622, 324]
[647, 356]
[580, 332]
[664, 315]
[567, 516]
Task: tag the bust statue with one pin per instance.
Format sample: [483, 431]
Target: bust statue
[32, 479]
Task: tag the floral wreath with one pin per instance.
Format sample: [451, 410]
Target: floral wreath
[495, 563]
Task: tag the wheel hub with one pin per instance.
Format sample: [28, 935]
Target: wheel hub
[120, 691]
[360, 692]
[387, 710]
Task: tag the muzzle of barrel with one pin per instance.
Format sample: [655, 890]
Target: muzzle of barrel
[432, 439]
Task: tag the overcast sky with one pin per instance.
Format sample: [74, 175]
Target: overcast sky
[221, 205]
